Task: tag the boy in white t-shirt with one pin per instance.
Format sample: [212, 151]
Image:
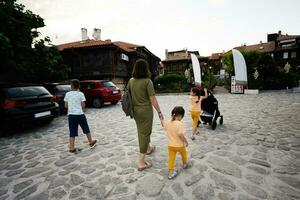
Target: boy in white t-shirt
[74, 102]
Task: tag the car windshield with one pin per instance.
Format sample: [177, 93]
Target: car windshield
[108, 84]
[63, 88]
[27, 91]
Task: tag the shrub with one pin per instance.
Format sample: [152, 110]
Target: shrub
[209, 80]
[171, 82]
[270, 76]
[220, 82]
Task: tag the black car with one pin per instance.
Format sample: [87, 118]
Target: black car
[58, 90]
[24, 104]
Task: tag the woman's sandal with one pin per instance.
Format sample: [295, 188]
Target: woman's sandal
[147, 166]
[152, 149]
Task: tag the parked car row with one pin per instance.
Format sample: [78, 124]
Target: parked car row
[23, 103]
[58, 90]
[98, 92]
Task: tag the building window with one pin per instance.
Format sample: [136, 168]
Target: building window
[293, 54]
[285, 55]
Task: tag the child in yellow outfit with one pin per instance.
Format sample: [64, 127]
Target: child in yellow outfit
[176, 140]
[195, 109]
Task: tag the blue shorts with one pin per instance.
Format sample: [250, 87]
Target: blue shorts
[74, 121]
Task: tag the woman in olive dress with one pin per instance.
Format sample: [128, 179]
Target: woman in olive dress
[143, 98]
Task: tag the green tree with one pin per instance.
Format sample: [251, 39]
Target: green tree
[47, 63]
[19, 60]
[209, 80]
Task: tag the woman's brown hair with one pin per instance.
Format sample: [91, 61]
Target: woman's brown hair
[141, 69]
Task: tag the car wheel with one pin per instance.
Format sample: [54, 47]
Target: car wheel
[97, 103]
[114, 102]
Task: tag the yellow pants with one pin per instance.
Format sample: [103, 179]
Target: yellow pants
[195, 117]
[172, 156]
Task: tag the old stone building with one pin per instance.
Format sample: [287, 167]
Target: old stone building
[179, 61]
[215, 61]
[105, 59]
[283, 48]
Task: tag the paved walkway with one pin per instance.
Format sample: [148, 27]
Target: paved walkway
[254, 155]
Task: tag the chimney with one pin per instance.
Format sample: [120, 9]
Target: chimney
[84, 34]
[166, 53]
[260, 42]
[279, 32]
[97, 34]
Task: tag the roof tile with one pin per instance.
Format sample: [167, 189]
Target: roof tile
[128, 47]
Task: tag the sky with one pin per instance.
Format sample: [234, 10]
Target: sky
[208, 26]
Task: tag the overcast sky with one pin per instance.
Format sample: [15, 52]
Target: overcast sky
[205, 25]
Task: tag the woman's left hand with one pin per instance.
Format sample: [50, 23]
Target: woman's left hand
[161, 116]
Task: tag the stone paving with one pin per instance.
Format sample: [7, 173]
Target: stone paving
[254, 155]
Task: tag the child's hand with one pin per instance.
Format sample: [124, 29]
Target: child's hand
[186, 144]
[162, 122]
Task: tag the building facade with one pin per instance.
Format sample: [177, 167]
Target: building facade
[283, 48]
[215, 61]
[287, 49]
[179, 61]
[104, 59]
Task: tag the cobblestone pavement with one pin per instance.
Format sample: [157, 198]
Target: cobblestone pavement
[254, 155]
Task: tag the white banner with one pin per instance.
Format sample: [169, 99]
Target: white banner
[240, 67]
[196, 69]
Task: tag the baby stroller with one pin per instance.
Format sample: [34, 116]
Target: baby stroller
[210, 110]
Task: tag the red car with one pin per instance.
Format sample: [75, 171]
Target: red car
[98, 92]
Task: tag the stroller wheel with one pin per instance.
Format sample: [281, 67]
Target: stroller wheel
[221, 120]
[213, 125]
[198, 123]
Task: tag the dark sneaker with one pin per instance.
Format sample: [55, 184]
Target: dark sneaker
[75, 151]
[93, 144]
[193, 137]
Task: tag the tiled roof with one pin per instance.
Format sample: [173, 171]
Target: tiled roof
[261, 47]
[94, 43]
[126, 46]
[174, 59]
[287, 37]
[215, 56]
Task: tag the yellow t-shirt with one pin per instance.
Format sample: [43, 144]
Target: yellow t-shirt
[195, 104]
[174, 130]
